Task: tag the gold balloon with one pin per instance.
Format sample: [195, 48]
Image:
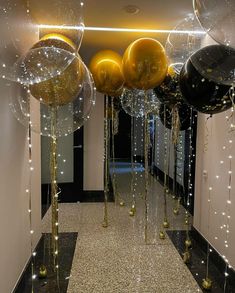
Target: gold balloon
[64, 88]
[144, 64]
[106, 68]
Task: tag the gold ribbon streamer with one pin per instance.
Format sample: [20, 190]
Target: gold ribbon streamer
[162, 234]
[132, 211]
[106, 163]
[146, 151]
[175, 124]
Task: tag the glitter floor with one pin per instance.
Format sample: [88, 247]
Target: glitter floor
[116, 259]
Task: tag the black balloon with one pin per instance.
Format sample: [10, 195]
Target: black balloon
[169, 92]
[184, 115]
[216, 63]
[203, 95]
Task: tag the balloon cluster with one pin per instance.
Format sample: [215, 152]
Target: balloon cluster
[204, 66]
[49, 73]
[143, 67]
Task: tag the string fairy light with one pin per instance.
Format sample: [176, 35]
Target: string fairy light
[132, 211]
[114, 179]
[188, 242]
[29, 194]
[225, 214]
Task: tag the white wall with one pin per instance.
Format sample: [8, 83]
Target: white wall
[64, 159]
[213, 150]
[94, 147]
[159, 151]
[14, 178]
[14, 171]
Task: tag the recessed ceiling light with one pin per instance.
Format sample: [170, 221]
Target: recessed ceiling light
[131, 9]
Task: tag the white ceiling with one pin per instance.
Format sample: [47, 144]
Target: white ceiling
[154, 14]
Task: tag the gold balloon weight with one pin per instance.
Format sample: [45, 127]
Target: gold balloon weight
[42, 272]
[207, 284]
[132, 211]
[162, 235]
[186, 257]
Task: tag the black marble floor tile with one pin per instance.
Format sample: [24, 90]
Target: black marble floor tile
[53, 283]
[197, 264]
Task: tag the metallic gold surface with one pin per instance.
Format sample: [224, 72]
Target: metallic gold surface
[106, 68]
[186, 257]
[132, 211]
[166, 224]
[162, 235]
[188, 243]
[144, 64]
[106, 163]
[42, 274]
[207, 284]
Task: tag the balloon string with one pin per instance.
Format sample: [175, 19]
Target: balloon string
[146, 145]
[166, 167]
[175, 124]
[105, 221]
[133, 203]
[153, 143]
[116, 196]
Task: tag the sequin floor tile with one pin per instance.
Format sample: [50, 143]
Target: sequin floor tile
[129, 268]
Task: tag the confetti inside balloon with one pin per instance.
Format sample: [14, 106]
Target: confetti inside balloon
[137, 102]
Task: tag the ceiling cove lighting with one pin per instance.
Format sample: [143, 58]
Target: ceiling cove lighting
[126, 30]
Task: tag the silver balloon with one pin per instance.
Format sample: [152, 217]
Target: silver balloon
[217, 17]
[137, 103]
[185, 39]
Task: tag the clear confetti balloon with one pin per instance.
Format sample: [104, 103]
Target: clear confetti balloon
[217, 17]
[137, 103]
[181, 45]
[38, 65]
[23, 23]
[69, 117]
